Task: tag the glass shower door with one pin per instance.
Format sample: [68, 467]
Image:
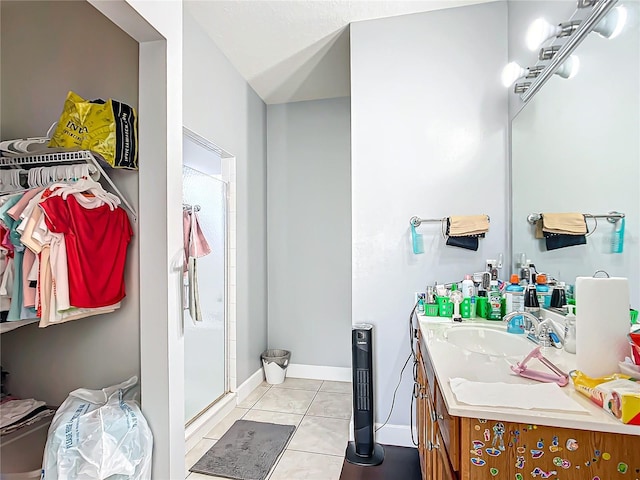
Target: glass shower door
[205, 341]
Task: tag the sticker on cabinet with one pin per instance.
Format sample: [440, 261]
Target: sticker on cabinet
[498, 435]
[478, 462]
[538, 472]
[572, 445]
[535, 454]
[494, 452]
[514, 438]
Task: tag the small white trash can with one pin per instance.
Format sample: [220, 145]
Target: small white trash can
[275, 363]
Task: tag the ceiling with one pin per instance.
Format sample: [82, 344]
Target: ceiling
[295, 50]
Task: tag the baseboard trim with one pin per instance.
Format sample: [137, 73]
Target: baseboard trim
[250, 384]
[399, 435]
[318, 372]
[209, 419]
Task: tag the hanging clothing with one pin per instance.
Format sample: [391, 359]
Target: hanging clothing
[195, 243]
[195, 246]
[62, 257]
[17, 310]
[96, 241]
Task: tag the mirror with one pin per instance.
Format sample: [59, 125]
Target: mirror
[576, 148]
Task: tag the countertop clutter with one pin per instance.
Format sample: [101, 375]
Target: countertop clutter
[458, 360]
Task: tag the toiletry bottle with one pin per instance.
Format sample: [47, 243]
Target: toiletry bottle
[525, 272]
[482, 303]
[531, 304]
[468, 287]
[617, 240]
[558, 296]
[495, 300]
[492, 268]
[543, 290]
[514, 294]
[420, 308]
[570, 330]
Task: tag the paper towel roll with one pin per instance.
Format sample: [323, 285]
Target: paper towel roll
[602, 324]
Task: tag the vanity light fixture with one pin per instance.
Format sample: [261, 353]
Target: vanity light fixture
[512, 72]
[540, 31]
[613, 23]
[547, 53]
[600, 10]
[569, 68]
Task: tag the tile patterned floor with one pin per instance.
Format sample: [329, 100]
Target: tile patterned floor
[319, 410]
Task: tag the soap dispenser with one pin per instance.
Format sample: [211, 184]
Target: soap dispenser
[570, 329]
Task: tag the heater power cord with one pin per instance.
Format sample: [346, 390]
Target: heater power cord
[412, 315]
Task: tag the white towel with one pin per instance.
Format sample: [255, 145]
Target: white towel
[546, 396]
[15, 410]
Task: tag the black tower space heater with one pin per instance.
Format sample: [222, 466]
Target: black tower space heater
[364, 451]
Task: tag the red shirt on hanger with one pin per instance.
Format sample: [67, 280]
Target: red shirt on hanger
[96, 241]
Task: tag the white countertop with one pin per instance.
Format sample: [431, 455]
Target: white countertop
[450, 361]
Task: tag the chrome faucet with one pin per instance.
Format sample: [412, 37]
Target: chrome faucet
[537, 331]
[531, 322]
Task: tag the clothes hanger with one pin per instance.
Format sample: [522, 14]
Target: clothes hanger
[89, 186]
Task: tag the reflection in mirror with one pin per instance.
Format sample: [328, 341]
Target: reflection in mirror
[576, 148]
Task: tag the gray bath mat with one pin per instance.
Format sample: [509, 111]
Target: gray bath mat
[246, 452]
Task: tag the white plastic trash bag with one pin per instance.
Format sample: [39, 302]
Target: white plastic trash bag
[98, 434]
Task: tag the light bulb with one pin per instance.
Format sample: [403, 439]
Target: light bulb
[539, 32]
[511, 72]
[569, 67]
[613, 23]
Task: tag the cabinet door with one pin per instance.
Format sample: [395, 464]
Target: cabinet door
[425, 414]
[442, 467]
[448, 428]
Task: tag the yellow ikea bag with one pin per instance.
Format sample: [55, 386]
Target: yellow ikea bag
[109, 129]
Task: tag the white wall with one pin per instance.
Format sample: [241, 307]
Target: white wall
[157, 26]
[103, 350]
[591, 165]
[429, 138]
[220, 106]
[309, 232]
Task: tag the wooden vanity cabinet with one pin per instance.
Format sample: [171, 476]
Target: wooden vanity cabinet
[438, 433]
[457, 448]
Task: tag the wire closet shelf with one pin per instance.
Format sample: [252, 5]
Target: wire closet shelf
[71, 157]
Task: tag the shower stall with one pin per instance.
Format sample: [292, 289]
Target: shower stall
[205, 285]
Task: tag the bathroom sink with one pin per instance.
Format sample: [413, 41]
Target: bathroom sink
[489, 341]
